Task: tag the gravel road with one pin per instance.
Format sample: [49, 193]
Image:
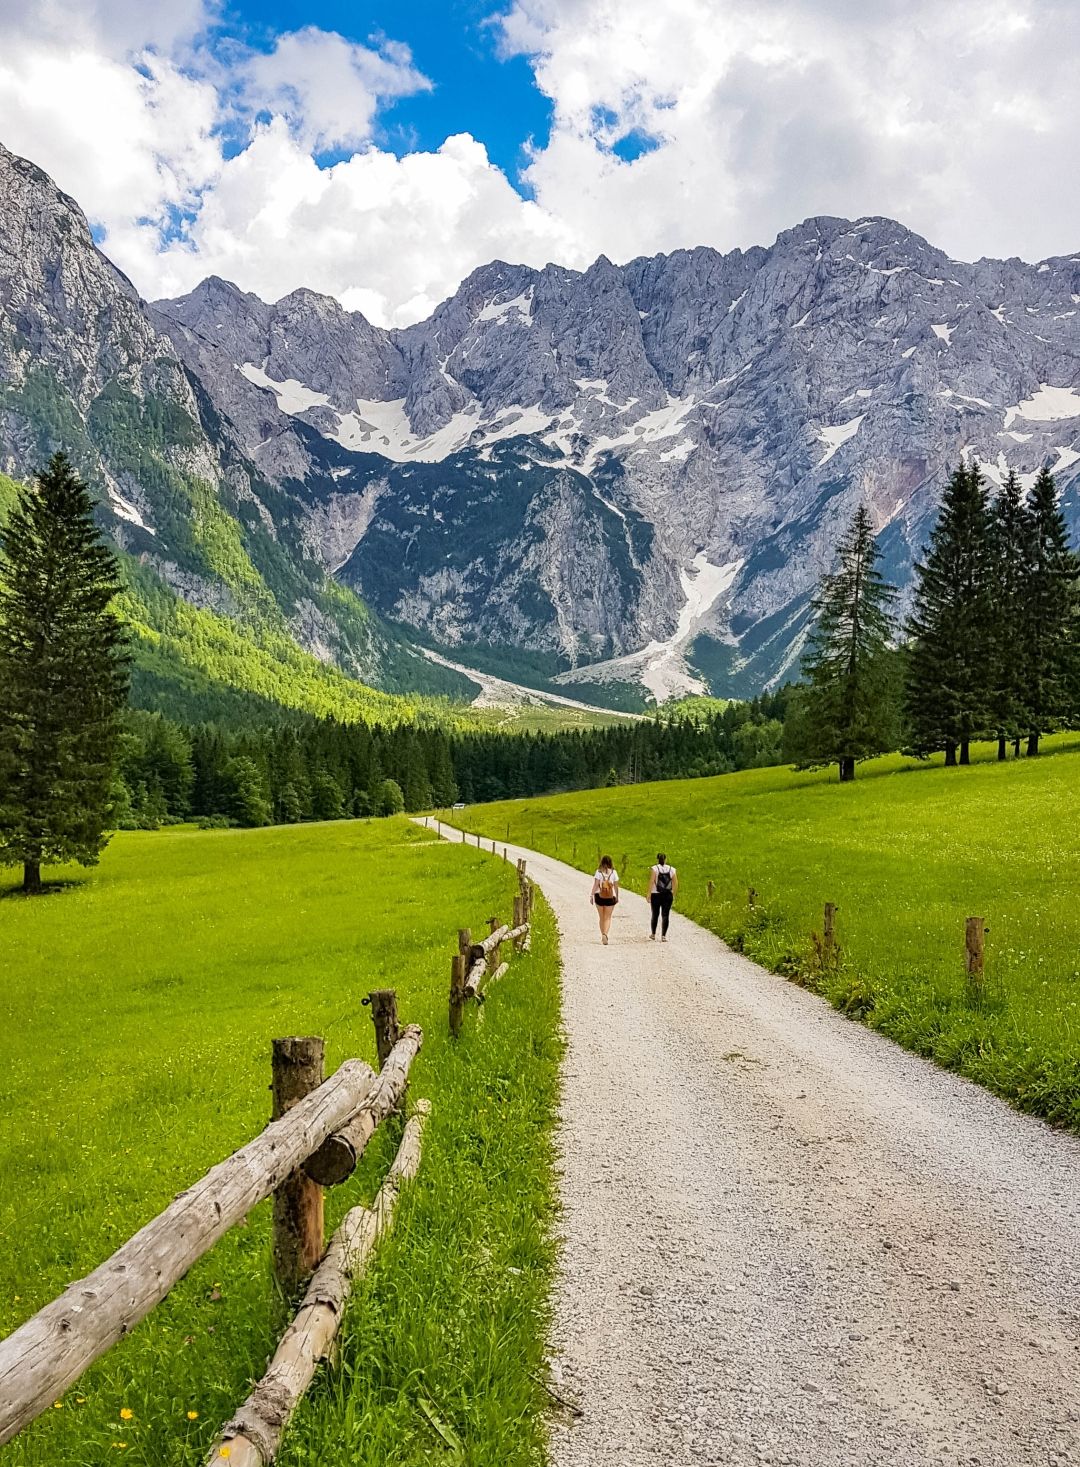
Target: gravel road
[785, 1239]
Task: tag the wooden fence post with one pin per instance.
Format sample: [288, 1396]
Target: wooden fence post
[458, 971]
[974, 943]
[829, 932]
[384, 1016]
[751, 897]
[711, 888]
[298, 1237]
[464, 941]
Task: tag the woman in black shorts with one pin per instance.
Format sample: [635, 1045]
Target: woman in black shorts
[605, 895]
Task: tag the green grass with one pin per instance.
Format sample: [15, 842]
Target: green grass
[138, 1010]
[907, 853]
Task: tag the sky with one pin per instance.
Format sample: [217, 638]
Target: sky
[380, 151]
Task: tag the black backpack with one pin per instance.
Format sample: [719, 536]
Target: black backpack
[663, 880]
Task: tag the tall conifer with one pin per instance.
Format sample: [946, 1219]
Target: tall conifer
[849, 712]
[1050, 578]
[948, 699]
[1009, 555]
[63, 677]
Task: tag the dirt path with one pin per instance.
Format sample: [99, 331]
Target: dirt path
[785, 1239]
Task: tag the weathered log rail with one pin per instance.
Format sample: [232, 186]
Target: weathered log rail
[477, 966]
[319, 1129]
[252, 1437]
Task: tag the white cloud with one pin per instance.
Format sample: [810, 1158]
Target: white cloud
[328, 88]
[958, 119]
[391, 237]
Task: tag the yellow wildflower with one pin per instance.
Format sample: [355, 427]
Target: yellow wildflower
[224, 1451]
[58, 1405]
[126, 1413]
[193, 1416]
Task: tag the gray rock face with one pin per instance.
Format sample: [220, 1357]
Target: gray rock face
[738, 405]
[642, 468]
[85, 367]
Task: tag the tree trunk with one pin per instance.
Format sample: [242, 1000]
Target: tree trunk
[32, 878]
[847, 769]
[950, 755]
[1033, 743]
[965, 752]
[1016, 747]
[1003, 748]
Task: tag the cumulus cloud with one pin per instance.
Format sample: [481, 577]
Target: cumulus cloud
[390, 237]
[328, 88]
[695, 121]
[958, 119]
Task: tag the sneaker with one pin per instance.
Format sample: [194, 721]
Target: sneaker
[652, 936]
[664, 938]
[603, 938]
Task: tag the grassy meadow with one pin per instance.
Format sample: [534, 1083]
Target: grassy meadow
[137, 1010]
[907, 852]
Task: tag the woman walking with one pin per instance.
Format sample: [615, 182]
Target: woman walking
[663, 884]
[605, 895]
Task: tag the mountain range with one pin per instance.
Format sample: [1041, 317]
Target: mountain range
[626, 479]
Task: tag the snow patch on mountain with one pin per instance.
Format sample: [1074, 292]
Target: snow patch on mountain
[292, 396]
[836, 437]
[661, 666]
[521, 305]
[1045, 406]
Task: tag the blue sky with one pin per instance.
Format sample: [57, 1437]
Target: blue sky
[455, 45]
[380, 152]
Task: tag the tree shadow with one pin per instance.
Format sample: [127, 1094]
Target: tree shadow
[48, 888]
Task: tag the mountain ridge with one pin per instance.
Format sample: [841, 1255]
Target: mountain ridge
[679, 388]
[631, 472]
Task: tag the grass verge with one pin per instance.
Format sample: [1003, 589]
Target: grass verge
[907, 852]
[138, 1014]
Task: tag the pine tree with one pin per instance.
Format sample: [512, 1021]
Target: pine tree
[1049, 590]
[951, 625]
[1009, 555]
[849, 712]
[417, 785]
[64, 671]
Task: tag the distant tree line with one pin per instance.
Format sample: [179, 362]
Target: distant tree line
[991, 649]
[319, 769]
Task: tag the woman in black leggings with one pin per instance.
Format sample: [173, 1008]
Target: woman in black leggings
[663, 884]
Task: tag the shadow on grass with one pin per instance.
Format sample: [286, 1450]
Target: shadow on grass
[48, 888]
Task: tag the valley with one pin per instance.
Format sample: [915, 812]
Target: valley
[635, 472]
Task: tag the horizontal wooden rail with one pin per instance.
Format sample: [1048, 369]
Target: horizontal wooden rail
[499, 972]
[337, 1157]
[252, 1437]
[482, 949]
[475, 977]
[40, 1359]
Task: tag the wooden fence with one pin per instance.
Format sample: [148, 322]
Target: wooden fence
[827, 950]
[318, 1130]
[477, 966]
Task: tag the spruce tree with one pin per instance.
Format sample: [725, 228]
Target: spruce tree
[1009, 557]
[949, 669]
[64, 671]
[1049, 589]
[849, 709]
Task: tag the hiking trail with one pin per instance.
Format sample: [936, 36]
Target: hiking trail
[784, 1238]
